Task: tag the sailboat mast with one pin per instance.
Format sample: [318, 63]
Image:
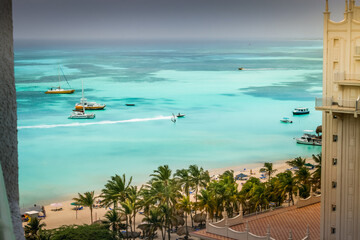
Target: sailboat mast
[59, 75]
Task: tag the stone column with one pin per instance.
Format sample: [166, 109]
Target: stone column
[8, 117]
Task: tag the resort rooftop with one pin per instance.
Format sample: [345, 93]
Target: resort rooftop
[280, 221]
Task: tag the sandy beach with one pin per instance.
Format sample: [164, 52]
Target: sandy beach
[68, 216]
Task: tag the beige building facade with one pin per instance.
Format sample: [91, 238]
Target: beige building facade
[340, 208]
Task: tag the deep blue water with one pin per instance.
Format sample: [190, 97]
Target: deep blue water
[232, 117]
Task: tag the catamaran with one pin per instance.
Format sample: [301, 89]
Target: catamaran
[59, 90]
[88, 105]
[80, 114]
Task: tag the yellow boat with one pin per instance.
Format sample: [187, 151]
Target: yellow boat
[59, 90]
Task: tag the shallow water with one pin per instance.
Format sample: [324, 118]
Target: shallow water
[232, 117]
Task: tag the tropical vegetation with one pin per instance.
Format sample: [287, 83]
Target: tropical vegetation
[177, 201]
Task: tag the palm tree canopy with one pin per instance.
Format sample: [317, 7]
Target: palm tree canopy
[86, 200]
[297, 162]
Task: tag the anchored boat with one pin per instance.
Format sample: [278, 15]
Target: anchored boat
[81, 115]
[301, 111]
[285, 120]
[309, 139]
[59, 90]
[88, 105]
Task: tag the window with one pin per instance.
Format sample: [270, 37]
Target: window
[333, 230]
[333, 207]
[333, 184]
[334, 161]
[335, 138]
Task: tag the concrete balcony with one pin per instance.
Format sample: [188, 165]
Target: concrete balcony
[357, 53]
[338, 106]
[343, 79]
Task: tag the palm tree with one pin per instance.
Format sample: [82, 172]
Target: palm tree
[206, 202]
[164, 188]
[316, 175]
[113, 217]
[115, 190]
[87, 200]
[128, 209]
[135, 200]
[184, 180]
[199, 178]
[268, 169]
[297, 162]
[302, 177]
[185, 205]
[33, 227]
[155, 220]
[287, 184]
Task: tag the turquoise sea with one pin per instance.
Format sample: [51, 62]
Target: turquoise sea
[232, 116]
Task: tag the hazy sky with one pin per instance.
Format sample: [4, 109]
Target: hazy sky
[171, 19]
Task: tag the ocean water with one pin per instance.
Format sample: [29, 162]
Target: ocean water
[232, 116]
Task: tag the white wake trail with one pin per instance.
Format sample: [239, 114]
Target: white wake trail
[77, 124]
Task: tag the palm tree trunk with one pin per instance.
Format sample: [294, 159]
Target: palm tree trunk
[91, 215]
[186, 227]
[8, 123]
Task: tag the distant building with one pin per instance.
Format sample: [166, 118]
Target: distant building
[340, 203]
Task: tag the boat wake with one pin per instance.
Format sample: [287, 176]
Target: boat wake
[77, 124]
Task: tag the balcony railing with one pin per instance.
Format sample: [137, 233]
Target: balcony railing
[342, 78]
[340, 105]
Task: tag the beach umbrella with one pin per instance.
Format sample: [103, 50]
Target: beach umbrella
[56, 205]
[76, 207]
[241, 176]
[200, 218]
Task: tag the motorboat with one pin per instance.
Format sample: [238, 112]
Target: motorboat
[301, 111]
[88, 105]
[58, 89]
[130, 104]
[309, 139]
[240, 68]
[179, 115]
[81, 115]
[285, 120]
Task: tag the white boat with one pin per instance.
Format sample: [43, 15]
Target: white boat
[88, 105]
[301, 111]
[309, 139]
[285, 120]
[59, 90]
[81, 115]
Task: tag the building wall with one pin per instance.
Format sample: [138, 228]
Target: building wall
[341, 203]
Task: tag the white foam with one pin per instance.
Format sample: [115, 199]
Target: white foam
[77, 124]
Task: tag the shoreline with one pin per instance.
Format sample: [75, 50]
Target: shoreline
[67, 216]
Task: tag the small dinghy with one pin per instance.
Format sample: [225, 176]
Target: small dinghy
[285, 120]
[179, 115]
